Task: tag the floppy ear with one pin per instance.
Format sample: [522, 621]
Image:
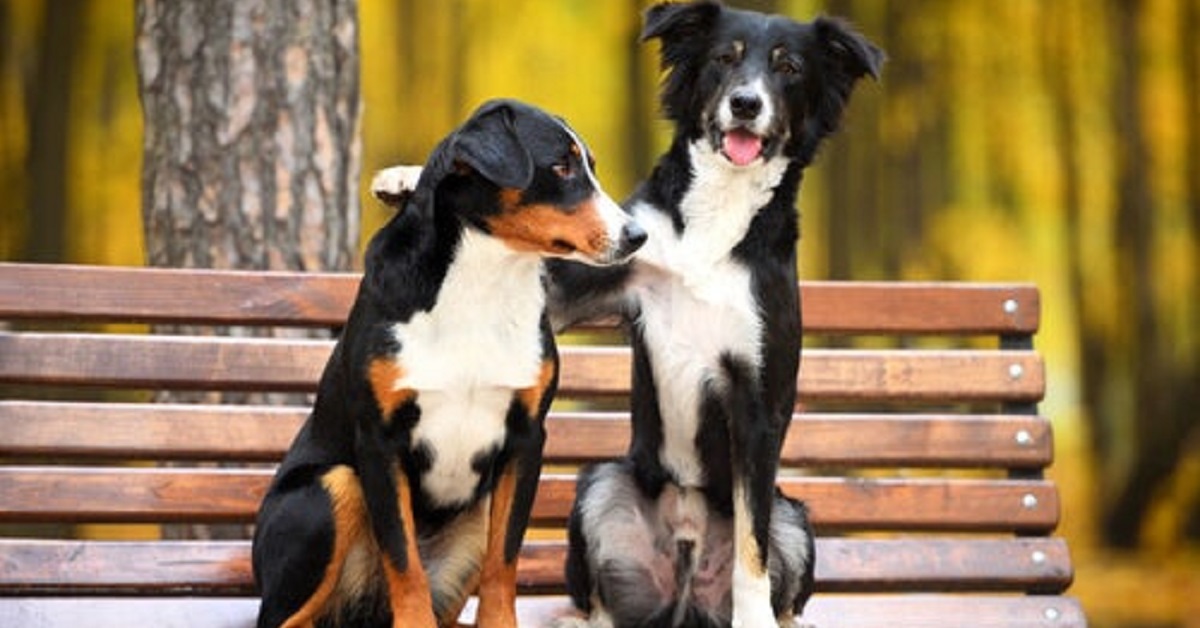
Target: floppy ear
[488, 143]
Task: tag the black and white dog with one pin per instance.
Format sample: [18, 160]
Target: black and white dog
[689, 529]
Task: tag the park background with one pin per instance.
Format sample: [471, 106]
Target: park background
[1056, 142]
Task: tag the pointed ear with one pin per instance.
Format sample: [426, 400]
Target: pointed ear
[672, 21]
[488, 143]
[850, 52]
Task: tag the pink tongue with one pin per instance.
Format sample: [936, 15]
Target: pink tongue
[742, 147]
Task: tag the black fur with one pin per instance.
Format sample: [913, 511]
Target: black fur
[803, 74]
[505, 157]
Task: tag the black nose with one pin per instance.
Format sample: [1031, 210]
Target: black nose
[745, 105]
[633, 236]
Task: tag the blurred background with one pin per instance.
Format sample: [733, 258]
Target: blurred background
[1056, 142]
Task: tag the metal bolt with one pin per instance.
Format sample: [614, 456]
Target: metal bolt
[1011, 306]
[1029, 501]
[1038, 557]
[1015, 371]
[1024, 437]
[1051, 614]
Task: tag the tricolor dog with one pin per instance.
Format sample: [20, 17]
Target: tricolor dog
[410, 485]
[689, 529]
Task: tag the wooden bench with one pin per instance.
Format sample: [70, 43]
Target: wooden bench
[919, 447]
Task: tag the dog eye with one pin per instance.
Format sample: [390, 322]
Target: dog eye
[787, 66]
[563, 169]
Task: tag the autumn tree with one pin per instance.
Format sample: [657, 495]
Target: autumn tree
[251, 149]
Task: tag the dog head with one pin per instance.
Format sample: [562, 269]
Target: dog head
[756, 86]
[523, 176]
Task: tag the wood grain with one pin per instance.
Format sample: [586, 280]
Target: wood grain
[128, 294]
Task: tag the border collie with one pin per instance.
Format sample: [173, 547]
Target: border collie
[689, 529]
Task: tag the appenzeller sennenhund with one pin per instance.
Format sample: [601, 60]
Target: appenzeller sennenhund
[410, 486]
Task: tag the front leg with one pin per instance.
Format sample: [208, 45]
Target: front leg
[408, 585]
[754, 447]
[389, 499]
[512, 500]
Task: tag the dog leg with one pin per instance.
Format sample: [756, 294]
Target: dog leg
[751, 582]
[754, 446]
[408, 588]
[498, 582]
[344, 528]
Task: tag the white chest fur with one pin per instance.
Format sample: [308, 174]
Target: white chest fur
[696, 303]
[467, 356]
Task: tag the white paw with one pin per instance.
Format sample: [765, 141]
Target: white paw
[569, 622]
[751, 600]
[395, 181]
[757, 616]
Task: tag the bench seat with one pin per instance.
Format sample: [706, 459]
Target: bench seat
[917, 444]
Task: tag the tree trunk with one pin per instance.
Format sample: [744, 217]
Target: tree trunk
[251, 154]
[251, 133]
[49, 110]
[1162, 412]
[1190, 64]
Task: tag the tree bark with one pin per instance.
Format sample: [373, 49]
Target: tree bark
[252, 150]
[251, 133]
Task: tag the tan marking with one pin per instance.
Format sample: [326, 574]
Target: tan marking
[538, 228]
[746, 545]
[349, 523]
[531, 398]
[498, 580]
[408, 590]
[383, 374]
[575, 150]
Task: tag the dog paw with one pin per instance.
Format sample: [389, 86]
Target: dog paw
[394, 185]
[569, 622]
[754, 616]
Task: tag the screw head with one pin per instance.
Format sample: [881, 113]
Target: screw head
[1011, 306]
[1015, 371]
[1029, 501]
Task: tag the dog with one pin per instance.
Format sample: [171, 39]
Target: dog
[689, 529]
[410, 485]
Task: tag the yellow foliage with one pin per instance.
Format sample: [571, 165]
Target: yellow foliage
[977, 109]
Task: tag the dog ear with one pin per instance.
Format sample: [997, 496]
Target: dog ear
[672, 21]
[488, 143]
[854, 55]
[685, 31]
[843, 56]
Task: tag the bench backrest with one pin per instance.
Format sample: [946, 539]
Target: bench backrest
[917, 443]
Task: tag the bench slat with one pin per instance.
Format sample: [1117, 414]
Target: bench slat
[125, 495]
[152, 295]
[72, 567]
[208, 363]
[119, 432]
[120, 294]
[826, 611]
